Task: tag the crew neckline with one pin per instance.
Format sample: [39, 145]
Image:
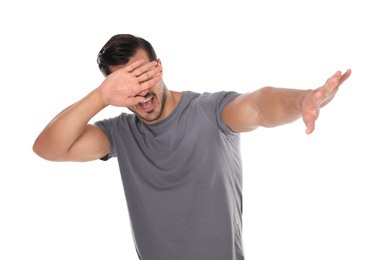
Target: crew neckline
[161, 125]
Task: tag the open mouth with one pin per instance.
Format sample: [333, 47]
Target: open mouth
[148, 103]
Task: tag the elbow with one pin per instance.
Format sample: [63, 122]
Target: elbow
[39, 149]
[42, 150]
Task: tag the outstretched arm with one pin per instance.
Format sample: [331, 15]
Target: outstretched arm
[270, 107]
[69, 137]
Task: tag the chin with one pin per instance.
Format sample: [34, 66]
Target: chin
[149, 117]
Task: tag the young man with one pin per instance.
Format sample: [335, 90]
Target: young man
[178, 152]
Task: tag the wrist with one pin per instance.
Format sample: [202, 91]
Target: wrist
[97, 97]
[303, 99]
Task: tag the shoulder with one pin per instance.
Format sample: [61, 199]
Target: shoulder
[112, 122]
[219, 98]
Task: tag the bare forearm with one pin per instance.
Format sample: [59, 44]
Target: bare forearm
[279, 106]
[270, 107]
[61, 133]
[266, 107]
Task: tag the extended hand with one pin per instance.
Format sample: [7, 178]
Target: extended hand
[320, 97]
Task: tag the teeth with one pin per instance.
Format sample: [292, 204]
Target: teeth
[146, 100]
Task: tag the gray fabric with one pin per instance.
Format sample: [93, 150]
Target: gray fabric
[182, 179]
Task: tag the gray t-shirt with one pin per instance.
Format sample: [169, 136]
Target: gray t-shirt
[182, 179]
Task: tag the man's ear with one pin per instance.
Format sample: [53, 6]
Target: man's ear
[160, 63]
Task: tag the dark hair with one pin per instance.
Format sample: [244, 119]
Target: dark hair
[119, 49]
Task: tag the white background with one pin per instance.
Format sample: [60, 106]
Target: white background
[305, 196]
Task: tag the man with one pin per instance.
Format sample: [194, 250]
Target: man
[178, 152]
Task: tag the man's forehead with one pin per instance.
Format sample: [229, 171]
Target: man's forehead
[140, 54]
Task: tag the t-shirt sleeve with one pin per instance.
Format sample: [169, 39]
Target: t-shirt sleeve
[106, 125]
[214, 105]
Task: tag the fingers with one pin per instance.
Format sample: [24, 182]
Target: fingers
[134, 65]
[149, 83]
[345, 76]
[143, 72]
[332, 82]
[311, 113]
[149, 74]
[145, 68]
[337, 79]
[138, 67]
[322, 96]
[309, 121]
[310, 127]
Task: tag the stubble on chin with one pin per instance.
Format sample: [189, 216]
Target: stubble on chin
[153, 115]
[149, 116]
